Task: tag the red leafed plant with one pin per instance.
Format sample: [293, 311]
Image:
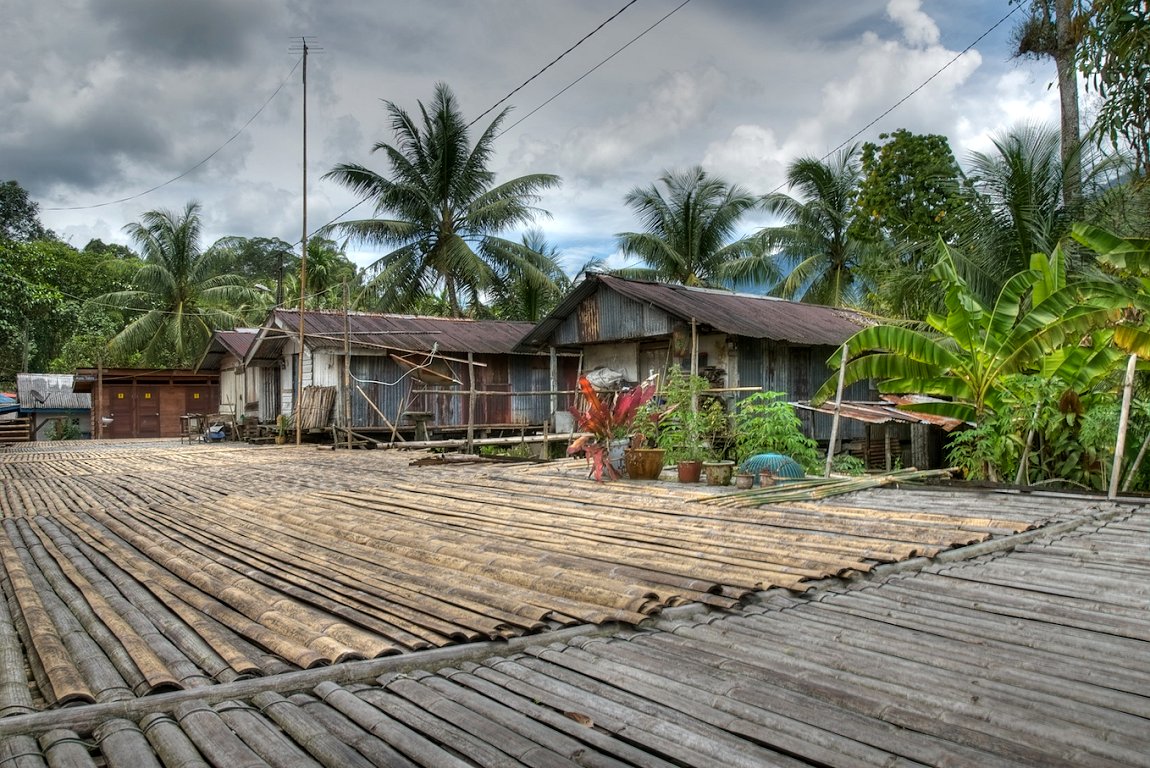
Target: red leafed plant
[606, 417]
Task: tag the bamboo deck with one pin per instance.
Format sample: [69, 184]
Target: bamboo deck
[163, 571]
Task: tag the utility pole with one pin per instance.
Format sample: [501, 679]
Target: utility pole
[298, 400]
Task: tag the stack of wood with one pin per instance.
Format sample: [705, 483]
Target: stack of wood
[15, 431]
[315, 407]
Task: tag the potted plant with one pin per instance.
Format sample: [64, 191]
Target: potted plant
[765, 423]
[644, 459]
[691, 429]
[608, 419]
[283, 426]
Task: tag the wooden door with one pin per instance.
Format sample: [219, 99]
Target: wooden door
[147, 412]
[122, 411]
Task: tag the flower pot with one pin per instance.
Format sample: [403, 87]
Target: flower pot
[643, 463]
[744, 481]
[689, 471]
[616, 450]
[766, 478]
[281, 439]
[719, 472]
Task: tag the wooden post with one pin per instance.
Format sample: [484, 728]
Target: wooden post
[694, 364]
[471, 402]
[554, 366]
[838, 411]
[1123, 424]
[347, 363]
[100, 395]
[302, 268]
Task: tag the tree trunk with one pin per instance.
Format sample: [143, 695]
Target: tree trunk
[1066, 46]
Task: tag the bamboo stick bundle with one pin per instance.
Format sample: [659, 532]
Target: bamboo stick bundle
[20, 752]
[212, 736]
[270, 743]
[804, 490]
[15, 698]
[224, 659]
[58, 677]
[135, 659]
[65, 749]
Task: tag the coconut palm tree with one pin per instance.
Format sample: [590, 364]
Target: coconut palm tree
[519, 295]
[826, 265]
[688, 229]
[440, 210]
[178, 290]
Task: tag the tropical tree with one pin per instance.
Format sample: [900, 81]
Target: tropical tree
[444, 211]
[178, 291]
[519, 295]
[911, 194]
[1115, 58]
[19, 215]
[827, 266]
[966, 356]
[1053, 28]
[689, 229]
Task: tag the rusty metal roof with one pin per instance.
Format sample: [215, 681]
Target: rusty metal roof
[236, 343]
[738, 314]
[387, 331]
[889, 410]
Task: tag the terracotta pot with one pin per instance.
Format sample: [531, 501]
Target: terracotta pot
[766, 478]
[744, 481]
[643, 463]
[689, 471]
[719, 472]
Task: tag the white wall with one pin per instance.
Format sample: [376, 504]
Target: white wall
[619, 357]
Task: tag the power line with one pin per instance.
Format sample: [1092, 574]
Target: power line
[920, 86]
[566, 88]
[194, 167]
[576, 81]
[580, 42]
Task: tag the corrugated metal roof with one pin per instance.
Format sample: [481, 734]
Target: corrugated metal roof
[236, 343]
[1034, 656]
[739, 314]
[412, 332]
[49, 392]
[885, 412]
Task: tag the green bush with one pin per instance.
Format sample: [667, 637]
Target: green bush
[766, 423]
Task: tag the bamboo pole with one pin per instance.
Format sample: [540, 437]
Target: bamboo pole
[347, 363]
[394, 429]
[471, 402]
[838, 411]
[1137, 463]
[1123, 424]
[1022, 473]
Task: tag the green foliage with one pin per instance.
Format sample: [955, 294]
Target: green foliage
[694, 426]
[975, 346]
[65, 429]
[521, 293]
[444, 210]
[20, 215]
[846, 464]
[688, 229]
[766, 423]
[910, 196]
[823, 264]
[1114, 56]
[179, 294]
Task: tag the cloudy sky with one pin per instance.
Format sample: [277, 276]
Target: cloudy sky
[103, 100]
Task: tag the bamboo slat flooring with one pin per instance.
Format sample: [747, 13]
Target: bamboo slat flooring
[133, 569]
[957, 664]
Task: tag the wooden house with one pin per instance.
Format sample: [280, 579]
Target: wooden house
[739, 341]
[404, 372]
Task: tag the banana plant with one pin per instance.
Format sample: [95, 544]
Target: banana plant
[973, 347]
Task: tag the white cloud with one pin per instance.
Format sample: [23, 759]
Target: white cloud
[918, 28]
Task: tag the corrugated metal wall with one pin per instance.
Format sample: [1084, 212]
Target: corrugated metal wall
[384, 383]
[609, 316]
[798, 372]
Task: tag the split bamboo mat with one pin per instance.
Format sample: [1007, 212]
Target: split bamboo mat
[1037, 655]
[132, 569]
